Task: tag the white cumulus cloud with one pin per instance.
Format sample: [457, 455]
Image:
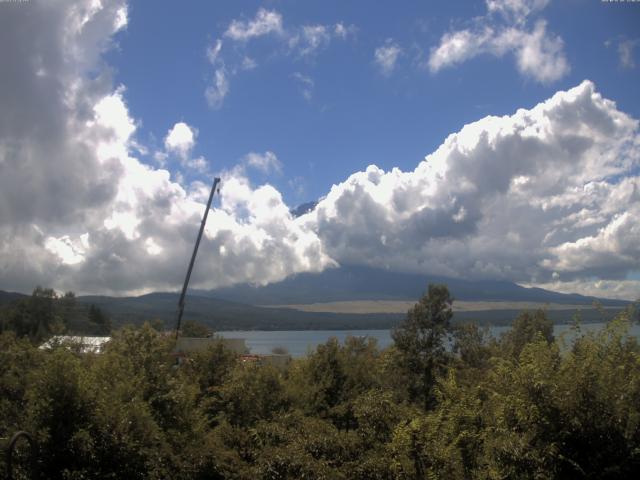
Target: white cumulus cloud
[266, 162]
[180, 139]
[538, 53]
[303, 42]
[307, 40]
[626, 52]
[305, 83]
[386, 56]
[218, 89]
[516, 10]
[264, 23]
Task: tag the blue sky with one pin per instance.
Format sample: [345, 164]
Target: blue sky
[495, 139]
[356, 114]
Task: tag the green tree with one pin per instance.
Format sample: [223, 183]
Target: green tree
[445, 442]
[330, 379]
[523, 407]
[35, 317]
[420, 343]
[191, 328]
[471, 345]
[100, 322]
[526, 328]
[58, 410]
[318, 381]
[599, 394]
[252, 393]
[17, 359]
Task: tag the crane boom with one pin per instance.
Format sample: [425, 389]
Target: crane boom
[216, 181]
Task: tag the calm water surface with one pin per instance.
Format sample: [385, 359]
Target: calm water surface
[300, 342]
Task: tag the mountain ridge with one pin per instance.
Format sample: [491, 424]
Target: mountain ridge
[246, 307]
[364, 283]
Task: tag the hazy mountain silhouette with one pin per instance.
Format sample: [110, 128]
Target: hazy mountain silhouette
[7, 297]
[238, 307]
[364, 283]
[303, 208]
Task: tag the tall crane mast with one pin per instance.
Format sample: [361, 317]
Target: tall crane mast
[216, 181]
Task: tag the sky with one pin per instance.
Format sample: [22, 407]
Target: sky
[493, 139]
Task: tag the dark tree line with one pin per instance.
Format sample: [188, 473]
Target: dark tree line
[46, 313]
[443, 402]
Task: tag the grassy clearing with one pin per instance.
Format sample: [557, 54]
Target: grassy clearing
[401, 306]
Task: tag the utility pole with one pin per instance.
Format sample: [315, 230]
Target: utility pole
[216, 181]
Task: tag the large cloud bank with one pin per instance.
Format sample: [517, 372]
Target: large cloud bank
[549, 195]
[541, 195]
[78, 211]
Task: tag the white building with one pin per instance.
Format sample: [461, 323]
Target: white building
[82, 344]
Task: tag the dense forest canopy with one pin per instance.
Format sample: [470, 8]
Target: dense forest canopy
[526, 405]
[46, 312]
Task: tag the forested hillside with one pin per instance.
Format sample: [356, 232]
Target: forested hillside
[45, 313]
[72, 314]
[526, 405]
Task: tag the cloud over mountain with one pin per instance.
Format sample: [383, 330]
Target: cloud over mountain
[549, 194]
[553, 189]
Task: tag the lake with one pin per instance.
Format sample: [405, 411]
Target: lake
[300, 342]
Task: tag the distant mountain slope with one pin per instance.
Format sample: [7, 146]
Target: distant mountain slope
[304, 208]
[238, 307]
[8, 297]
[363, 283]
[226, 315]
